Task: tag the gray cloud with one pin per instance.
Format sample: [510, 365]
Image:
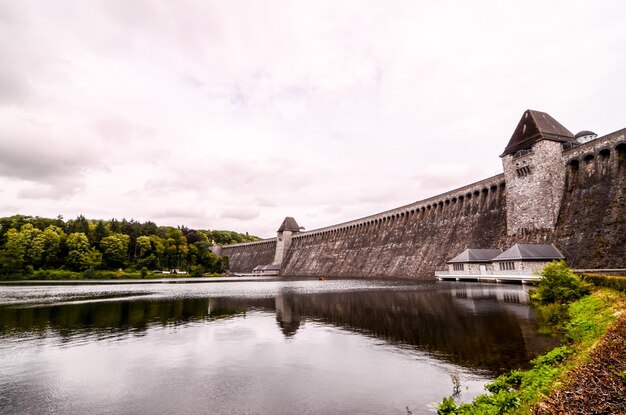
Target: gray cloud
[14, 88]
[58, 191]
[240, 213]
[234, 116]
[184, 213]
[20, 159]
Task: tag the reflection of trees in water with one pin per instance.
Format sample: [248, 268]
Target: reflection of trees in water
[109, 316]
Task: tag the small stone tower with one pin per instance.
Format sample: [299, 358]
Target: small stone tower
[534, 173]
[283, 239]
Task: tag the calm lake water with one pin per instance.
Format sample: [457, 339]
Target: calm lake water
[258, 347]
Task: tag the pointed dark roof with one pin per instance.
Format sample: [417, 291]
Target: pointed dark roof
[476, 255]
[289, 224]
[534, 127]
[530, 252]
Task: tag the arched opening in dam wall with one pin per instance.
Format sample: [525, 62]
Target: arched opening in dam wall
[583, 183]
[591, 230]
[406, 242]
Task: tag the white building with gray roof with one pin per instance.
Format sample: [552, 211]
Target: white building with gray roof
[521, 262]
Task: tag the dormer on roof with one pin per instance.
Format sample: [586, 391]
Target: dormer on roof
[534, 127]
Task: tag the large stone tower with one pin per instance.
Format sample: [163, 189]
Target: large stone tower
[283, 239]
[534, 173]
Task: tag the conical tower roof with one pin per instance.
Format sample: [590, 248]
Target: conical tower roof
[534, 127]
[289, 224]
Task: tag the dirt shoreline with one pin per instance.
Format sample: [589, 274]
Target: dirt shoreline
[598, 386]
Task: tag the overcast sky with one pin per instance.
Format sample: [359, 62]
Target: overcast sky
[235, 114]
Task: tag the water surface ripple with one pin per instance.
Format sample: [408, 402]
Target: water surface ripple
[257, 347]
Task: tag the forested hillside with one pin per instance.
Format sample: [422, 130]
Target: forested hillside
[31, 243]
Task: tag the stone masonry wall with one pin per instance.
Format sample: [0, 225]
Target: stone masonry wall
[282, 246]
[410, 242]
[244, 257]
[591, 228]
[534, 197]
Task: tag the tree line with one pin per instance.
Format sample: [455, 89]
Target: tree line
[30, 243]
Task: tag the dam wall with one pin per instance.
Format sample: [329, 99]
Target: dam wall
[410, 241]
[591, 228]
[554, 189]
[244, 257]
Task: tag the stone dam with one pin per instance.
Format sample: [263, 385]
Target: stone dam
[556, 188]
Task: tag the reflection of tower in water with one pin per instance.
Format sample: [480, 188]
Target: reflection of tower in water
[287, 316]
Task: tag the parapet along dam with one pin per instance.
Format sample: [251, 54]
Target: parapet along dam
[557, 188]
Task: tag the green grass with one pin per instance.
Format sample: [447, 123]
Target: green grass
[517, 391]
[52, 275]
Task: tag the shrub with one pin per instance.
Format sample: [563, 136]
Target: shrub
[504, 382]
[614, 282]
[197, 271]
[559, 285]
[554, 356]
[506, 402]
[144, 272]
[447, 406]
[554, 316]
[89, 274]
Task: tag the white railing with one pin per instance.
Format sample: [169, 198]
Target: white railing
[478, 273]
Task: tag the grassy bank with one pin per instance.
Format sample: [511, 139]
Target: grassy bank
[584, 323]
[52, 275]
[615, 282]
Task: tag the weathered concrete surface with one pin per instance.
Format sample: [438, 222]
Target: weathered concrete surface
[407, 242]
[244, 257]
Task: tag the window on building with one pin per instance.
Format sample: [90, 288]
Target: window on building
[507, 266]
[457, 267]
[523, 171]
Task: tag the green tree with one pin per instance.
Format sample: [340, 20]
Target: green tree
[115, 249]
[33, 245]
[200, 254]
[91, 259]
[175, 248]
[51, 239]
[99, 232]
[78, 225]
[77, 241]
[559, 284]
[78, 244]
[144, 246]
[115, 226]
[13, 255]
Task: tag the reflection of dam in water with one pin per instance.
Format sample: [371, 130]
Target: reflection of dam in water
[472, 325]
